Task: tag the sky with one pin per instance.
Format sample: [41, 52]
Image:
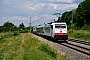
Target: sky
[40, 11]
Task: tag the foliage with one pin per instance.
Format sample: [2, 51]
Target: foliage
[21, 26]
[86, 27]
[14, 28]
[7, 26]
[66, 16]
[10, 27]
[81, 21]
[9, 34]
[81, 15]
[1, 29]
[25, 47]
[15, 33]
[28, 29]
[81, 35]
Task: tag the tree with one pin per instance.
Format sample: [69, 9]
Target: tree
[21, 26]
[1, 28]
[83, 12]
[7, 26]
[67, 17]
[14, 28]
[81, 15]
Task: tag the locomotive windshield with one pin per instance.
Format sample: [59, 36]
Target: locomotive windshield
[60, 26]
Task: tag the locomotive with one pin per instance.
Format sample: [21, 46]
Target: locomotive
[56, 31]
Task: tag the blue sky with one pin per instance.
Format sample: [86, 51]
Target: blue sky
[20, 11]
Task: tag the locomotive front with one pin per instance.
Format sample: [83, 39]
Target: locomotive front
[60, 31]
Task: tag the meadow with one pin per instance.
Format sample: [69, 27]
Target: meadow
[80, 35]
[25, 47]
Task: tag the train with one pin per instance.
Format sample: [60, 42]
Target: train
[55, 31]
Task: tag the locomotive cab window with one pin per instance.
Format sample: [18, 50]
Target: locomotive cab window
[63, 26]
[60, 26]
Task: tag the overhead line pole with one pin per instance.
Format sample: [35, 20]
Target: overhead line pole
[30, 24]
[72, 20]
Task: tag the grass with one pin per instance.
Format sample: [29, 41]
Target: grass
[8, 34]
[26, 47]
[80, 35]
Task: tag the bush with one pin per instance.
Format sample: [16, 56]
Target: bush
[78, 35]
[23, 31]
[9, 34]
[1, 37]
[76, 26]
[15, 33]
[86, 27]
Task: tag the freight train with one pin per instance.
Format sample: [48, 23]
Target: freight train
[56, 31]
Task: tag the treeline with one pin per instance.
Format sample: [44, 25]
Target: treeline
[10, 27]
[80, 16]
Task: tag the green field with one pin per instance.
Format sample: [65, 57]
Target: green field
[80, 35]
[26, 47]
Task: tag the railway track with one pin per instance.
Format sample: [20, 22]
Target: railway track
[80, 46]
[77, 48]
[73, 50]
[79, 41]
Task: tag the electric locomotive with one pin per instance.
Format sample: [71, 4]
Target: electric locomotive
[60, 31]
[57, 31]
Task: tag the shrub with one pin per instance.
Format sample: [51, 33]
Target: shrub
[1, 37]
[15, 33]
[86, 27]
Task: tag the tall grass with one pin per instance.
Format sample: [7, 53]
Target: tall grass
[81, 35]
[26, 47]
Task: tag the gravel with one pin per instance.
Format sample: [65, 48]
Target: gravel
[68, 52]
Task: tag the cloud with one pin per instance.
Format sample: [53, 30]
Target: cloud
[45, 18]
[53, 1]
[17, 18]
[20, 10]
[50, 8]
[34, 7]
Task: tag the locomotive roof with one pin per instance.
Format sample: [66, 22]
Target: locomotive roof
[59, 23]
[56, 22]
